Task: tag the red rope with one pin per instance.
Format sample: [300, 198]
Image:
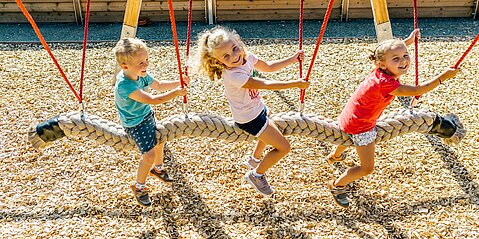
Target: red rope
[466, 52]
[175, 39]
[301, 16]
[85, 39]
[318, 42]
[416, 48]
[188, 35]
[45, 45]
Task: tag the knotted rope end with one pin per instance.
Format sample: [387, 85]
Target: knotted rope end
[45, 133]
[35, 139]
[449, 128]
[460, 130]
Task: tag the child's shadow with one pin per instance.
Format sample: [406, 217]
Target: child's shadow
[182, 205]
[451, 161]
[276, 224]
[188, 209]
[366, 210]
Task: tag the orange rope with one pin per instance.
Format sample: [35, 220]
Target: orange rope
[318, 42]
[466, 52]
[45, 45]
[175, 39]
[416, 48]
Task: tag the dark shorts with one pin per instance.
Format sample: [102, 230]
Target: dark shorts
[144, 134]
[257, 125]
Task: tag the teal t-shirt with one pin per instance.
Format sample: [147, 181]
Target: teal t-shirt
[131, 112]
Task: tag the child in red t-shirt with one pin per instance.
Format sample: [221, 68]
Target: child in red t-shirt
[368, 102]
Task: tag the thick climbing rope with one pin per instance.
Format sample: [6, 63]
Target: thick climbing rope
[45, 45]
[316, 49]
[175, 39]
[291, 123]
[466, 52]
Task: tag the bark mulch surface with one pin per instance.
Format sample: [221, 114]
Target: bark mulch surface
[77, 188]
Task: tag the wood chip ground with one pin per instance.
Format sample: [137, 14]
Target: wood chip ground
[76, 188]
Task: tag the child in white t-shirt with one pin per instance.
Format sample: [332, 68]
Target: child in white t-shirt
[222, 54]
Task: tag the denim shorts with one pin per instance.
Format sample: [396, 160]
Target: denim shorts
[257, 125]
[365, 138]
[144, 134]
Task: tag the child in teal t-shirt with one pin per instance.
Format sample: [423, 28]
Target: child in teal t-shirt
[133, 101]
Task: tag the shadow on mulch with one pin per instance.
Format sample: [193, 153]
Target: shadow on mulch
[208, 223]
[450, 159]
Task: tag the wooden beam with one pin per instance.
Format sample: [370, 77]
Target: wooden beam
[345, 10]
[78, 13]
[130, 21]
[476, 12]
[381, 20]
[210, 11]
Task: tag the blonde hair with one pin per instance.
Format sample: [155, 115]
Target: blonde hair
[127, 48]
[208, 41]
[382, 48]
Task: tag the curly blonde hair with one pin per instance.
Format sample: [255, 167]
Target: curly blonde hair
[208, 41]
[127, 48]
[382, 48]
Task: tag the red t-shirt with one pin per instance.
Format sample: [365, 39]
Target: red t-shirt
[368, 102]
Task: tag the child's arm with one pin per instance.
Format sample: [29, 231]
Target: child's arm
[408, 90]
[279, 64]
[410, 39]
[147, 98]
[258, 83]
[168, 85]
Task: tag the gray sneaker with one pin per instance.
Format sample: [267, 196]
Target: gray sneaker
[340, 194]
[251, 163]
[141, 195]
[260, 184]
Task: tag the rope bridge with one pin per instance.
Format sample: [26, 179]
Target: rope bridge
[448, 127]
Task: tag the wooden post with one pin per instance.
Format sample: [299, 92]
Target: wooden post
[77, 9]
[345, 10]
[476, 11]
[381, 20]
[210, 11]
[130, 23]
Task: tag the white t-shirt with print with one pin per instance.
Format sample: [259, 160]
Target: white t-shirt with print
[245, 104]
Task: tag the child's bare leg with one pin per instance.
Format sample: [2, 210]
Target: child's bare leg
[159, 153]
[258, 149]
[147, 160]
[260, 146]
[337, 155]
[339, 150]
[273, 137]
[366, 156]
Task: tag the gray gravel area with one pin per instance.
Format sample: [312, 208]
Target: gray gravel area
[70, 32]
